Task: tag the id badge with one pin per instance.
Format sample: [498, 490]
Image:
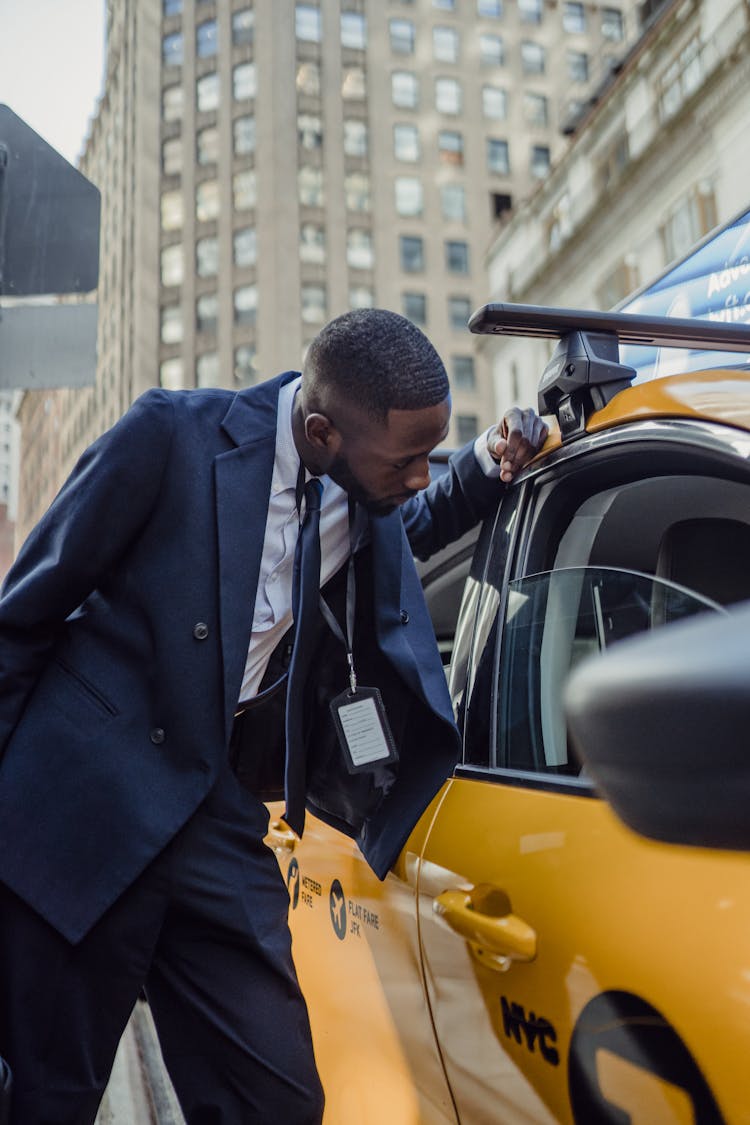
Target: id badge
[363, 729]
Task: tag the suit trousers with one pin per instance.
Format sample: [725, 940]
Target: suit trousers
[204, 931]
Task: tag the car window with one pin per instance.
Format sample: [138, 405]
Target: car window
[684, 524]
[552, 621]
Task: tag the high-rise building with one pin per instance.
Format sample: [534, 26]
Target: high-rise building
[266, 166]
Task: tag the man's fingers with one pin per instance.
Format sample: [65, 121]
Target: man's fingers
[517, 439]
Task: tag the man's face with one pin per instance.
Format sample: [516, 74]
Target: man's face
[383, 465]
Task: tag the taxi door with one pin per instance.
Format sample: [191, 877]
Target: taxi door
[577, 972]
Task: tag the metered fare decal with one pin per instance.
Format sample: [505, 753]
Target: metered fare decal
[348, 917]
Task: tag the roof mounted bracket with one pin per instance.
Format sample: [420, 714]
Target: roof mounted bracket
[582, 376]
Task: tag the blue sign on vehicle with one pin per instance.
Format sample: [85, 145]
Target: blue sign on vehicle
[712, 283]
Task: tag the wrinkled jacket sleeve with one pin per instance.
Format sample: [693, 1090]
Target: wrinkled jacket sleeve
[97, 513]
[451, 505]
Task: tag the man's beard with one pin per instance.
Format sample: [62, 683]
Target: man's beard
[340, 471]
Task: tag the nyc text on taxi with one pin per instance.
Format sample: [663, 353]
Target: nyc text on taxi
[531, 958]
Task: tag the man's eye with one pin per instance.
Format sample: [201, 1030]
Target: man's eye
[399, 465]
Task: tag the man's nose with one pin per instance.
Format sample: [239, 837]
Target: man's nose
[418, 475]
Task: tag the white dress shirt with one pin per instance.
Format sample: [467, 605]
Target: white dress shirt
[272, 615]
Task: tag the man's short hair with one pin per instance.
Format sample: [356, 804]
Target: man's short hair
[376, 359]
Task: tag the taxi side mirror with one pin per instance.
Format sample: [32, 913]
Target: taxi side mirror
[662, 726]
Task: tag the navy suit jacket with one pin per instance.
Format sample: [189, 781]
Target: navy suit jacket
[124, 627]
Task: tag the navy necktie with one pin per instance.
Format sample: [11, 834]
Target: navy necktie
[305, 599]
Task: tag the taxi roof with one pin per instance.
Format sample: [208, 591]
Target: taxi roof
[713, 395]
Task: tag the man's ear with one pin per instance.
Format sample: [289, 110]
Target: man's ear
[322, 434]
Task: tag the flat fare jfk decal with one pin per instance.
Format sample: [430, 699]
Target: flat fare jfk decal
[347, 915]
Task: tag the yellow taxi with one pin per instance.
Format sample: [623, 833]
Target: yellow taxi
[566, 934]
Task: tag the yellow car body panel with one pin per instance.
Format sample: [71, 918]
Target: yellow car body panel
[566, 866]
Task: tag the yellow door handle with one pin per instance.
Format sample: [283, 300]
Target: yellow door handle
[280, 836]
[483, 917]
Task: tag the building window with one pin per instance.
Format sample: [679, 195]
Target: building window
[411, 253]
[171, 7]
[618, 284]
[310, 186]
[459, 311]
[207, 370]
[308, 79]
[446, 5]
[243, 27]
[309, 131]
[693, 217]
[445, 44]
[613, 26]
[530, 11]
[307, 23]
[414, 308]
[453, 202]
[361, 297]
[245, 304]
[313, 304]
[244, 190]
[244, 81]
[207, 93]
[462, 368]
[532, 57]
[540, 161]
[447, 95]
[406, 143]
[574, 18]
[357, 191]
[498, 159]
[402, 37]
[244, 365]
[312, 244]
[355, 138]
[490, 9]
[491, 51]
[494, 103]
[171, 156]
[171, 324]
[359, 250]
[172, 50]
[404, 89]
[353, 31]
[457, 256]
[172, 210]
[578, 66]
[467, 428]
[244, 247]
[172, 103]
[207, 313]
[681, 78]
[408, 195]
[535, 109]
[353, 87]
[171, 374]
[207, 201]
[207, 256]
[172, 265]
[450, 147]
[207, 145]
[243, 130]
[205, 39]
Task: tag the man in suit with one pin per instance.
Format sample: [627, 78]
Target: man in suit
[144, 618]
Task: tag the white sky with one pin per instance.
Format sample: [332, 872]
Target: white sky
[51, 67]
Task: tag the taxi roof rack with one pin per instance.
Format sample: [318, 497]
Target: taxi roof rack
[585, 372]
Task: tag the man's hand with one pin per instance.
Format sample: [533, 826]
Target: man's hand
[514, 441]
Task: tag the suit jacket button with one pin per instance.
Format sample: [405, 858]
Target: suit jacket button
[157, 736]
[404, 617]
[200, 631]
